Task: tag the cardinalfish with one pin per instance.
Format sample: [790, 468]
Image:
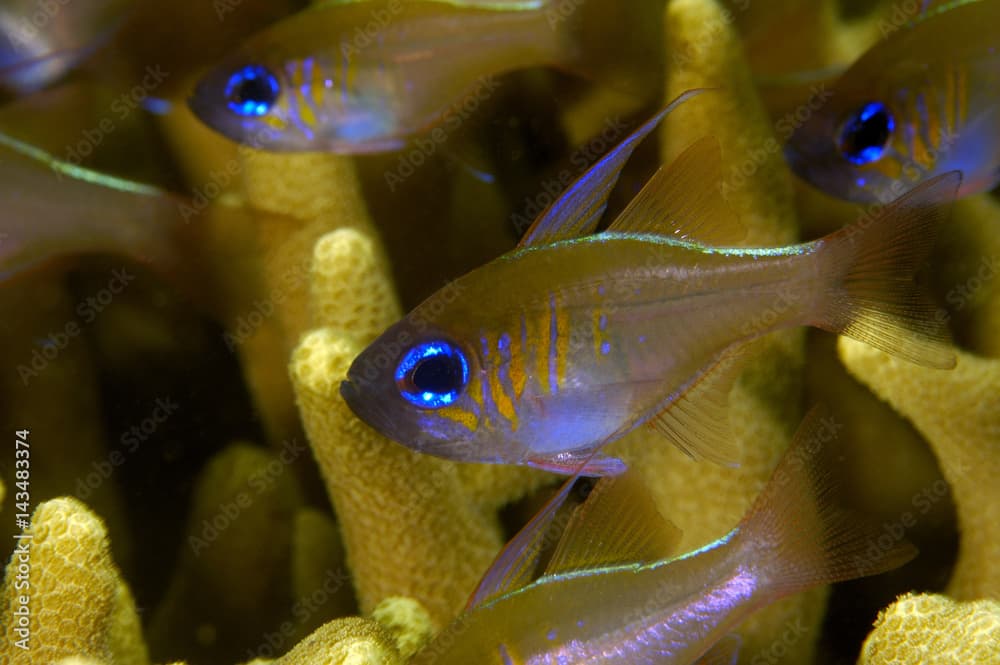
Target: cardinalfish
[918, 104]
[362, 77]
[655, 607]
[42, 41]
[573, 339]
[52, 210]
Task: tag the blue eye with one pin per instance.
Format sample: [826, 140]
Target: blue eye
[433, 374]
[865, 134]
[251, 90]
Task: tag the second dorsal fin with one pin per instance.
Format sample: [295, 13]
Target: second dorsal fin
[617, 524]
[684, 200]
[578, 210]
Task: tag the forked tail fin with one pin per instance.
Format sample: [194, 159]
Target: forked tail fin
[796, 535]
[868, 271]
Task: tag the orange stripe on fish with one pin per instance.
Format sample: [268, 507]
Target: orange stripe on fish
[543, 344]
[300, 84]
[599, 324]
[950, 100]
[518, 347]
[459, 415]
[562, 344]
[500, 381]
[921, 136]
[962, 96]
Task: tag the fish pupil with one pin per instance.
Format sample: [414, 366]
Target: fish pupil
[437, 374]
[252, 90]
[866, 133]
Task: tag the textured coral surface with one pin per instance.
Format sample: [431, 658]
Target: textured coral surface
[254, 518]
[928, 628]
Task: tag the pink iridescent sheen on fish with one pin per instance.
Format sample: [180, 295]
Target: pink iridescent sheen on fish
[612, 591]
[920, 103]
[572, 340]
[361, 77]
[41, 41]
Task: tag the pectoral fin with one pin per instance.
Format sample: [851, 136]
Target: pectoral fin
[697, 421]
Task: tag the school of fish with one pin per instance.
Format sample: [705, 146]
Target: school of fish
[590, 327]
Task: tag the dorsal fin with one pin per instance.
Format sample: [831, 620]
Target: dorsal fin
[617, 524]
[578, 210]
[697, 421]
[517, 563]
[684, 200]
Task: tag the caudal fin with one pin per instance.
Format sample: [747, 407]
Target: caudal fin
[868, 271]
[798, 537]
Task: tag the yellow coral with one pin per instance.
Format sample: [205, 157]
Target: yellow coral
[352, 641]
[78, 603]
[928, 629]
[408, 621]
[321, 582]
[238, 581]
[308, 272]
[958, 411]
[61, 372]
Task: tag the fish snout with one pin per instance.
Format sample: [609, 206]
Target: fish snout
[349, 393]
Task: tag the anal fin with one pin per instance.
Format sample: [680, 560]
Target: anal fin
[723, 652]
[617, 524]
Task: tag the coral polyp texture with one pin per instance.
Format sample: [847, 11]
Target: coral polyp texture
[928, 628]
[78, 603]
[300, 536]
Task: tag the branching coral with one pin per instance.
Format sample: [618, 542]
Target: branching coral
[230, 582]
[321, 583]
[959, 414]
[78, 603]
[408, 621]
[352, 641]
[51, 364]
[925, 629]
[304, 274]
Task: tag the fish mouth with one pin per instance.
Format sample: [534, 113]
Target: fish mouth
[350, 395]
[363, 409]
